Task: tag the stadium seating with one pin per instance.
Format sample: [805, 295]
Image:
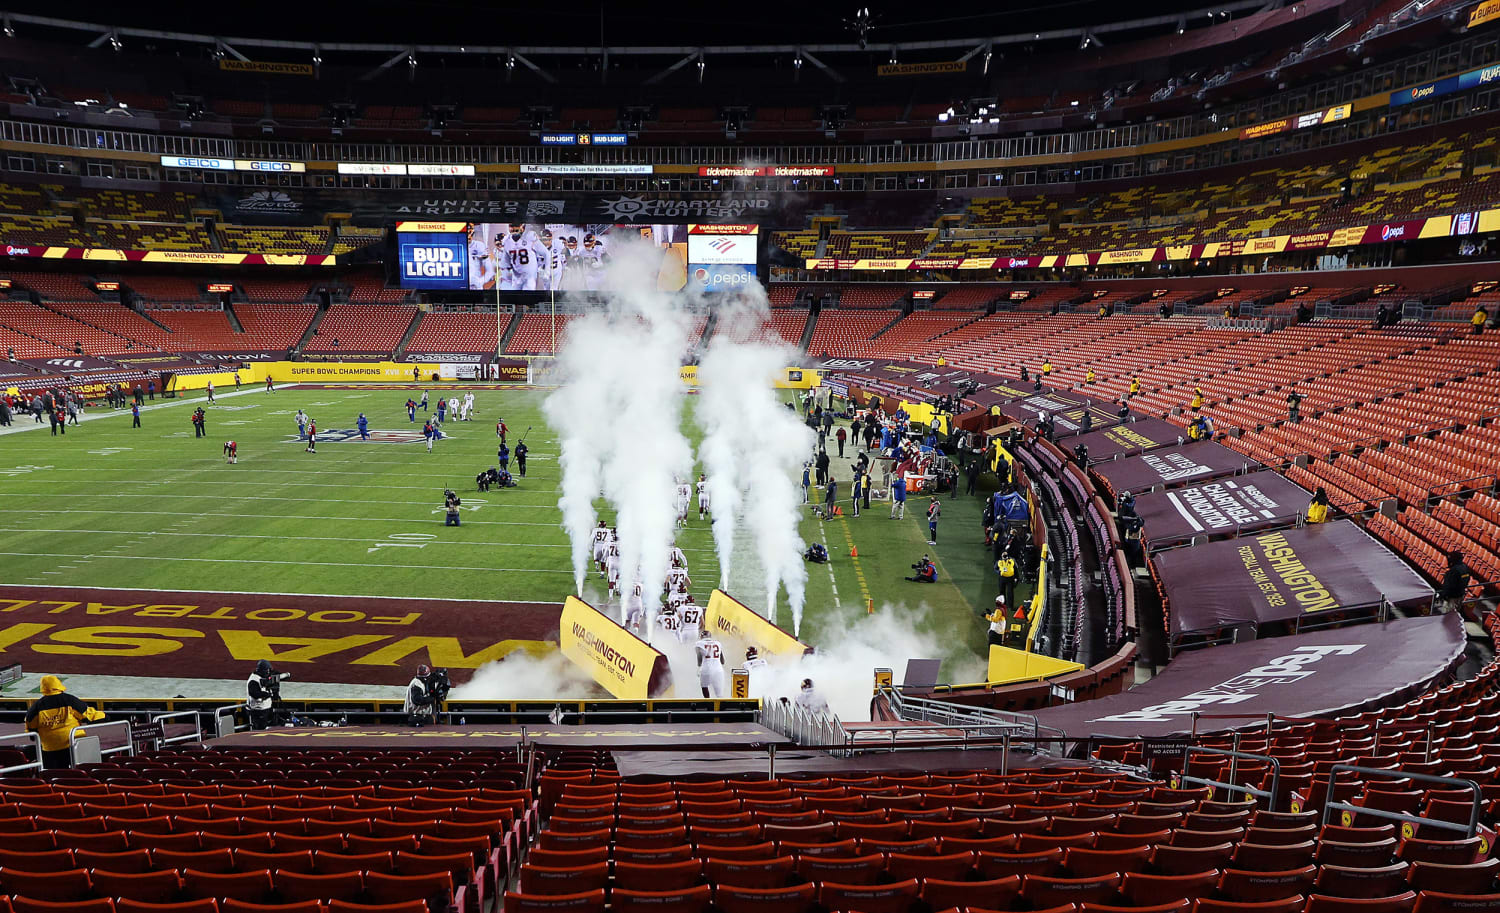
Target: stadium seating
[375, 328]
[449, 332]
[273, 327]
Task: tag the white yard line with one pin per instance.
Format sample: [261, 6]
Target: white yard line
[102, 412]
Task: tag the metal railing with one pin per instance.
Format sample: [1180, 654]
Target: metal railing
[34, 742]
[1475, 793]
[91, 741]
[1270, 795]
[188, 716]
[1022, 729]
[804, 726]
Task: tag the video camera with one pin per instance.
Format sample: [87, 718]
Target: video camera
[921, 564]
[439, 684]
[274, 680]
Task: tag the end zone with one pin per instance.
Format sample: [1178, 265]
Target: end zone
[146, 634]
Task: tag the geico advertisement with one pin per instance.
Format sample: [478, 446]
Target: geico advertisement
[626, 666]
[729, 618]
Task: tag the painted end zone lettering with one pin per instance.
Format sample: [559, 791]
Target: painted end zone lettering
[337, 639]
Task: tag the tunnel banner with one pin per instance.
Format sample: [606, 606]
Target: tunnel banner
[1282, 576]
[1130, 438]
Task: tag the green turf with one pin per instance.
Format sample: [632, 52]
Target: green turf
[112, 506]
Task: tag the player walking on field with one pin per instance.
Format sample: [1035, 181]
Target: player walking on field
[710, 654]
[231, 452]
[702, 497]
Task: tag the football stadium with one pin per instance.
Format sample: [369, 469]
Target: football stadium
[467, 458]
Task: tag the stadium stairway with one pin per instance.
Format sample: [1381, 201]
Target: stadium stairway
[510, 331]
[411, 331]
[232, 317]
[312, 328]
[807, 331]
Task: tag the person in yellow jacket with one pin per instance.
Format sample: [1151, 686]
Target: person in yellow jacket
[54, 717]
[1480, 316]
[1197, 402]
[1047, 366]
[1005, 567]
[1317, 510]
[1090, 377]
[1135, 386]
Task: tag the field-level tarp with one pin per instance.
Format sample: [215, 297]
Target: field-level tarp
[1219, 508]
[1320, 673]
[1130, 439]
[1065, 409]
[1167, 467]
[1280, 576]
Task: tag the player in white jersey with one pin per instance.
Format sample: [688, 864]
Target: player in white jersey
[635, 608]
[710, 655]
[677, 557]
[594, 258]
[692, 618]
[678, 579]
[684, 502]
[481, 260]
[521, 256]
[601, 542]
[755, 667]
[612, 568]
[676, 598]
[555, 259]
[702, 497]
[667, 621]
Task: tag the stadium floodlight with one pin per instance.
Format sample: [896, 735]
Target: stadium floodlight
[1182, 25]
[510, 62]
[893, 61]
[411, 61]
[988, 53]
[114, 41]
[797, 61]
[10, 29]
[317, 56]
[702, 64]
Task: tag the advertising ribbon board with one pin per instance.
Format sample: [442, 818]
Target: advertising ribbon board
[1219, 508]
[729, 618]
[1282, 576]
[623, 664]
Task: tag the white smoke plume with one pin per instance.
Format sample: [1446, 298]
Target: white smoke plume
[620, 400]
[524, 676]
[753, 443]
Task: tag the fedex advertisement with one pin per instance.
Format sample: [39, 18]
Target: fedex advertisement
[433, 259]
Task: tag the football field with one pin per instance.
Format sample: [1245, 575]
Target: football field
[156, 508]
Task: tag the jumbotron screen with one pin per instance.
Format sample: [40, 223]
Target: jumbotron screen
[547, 256]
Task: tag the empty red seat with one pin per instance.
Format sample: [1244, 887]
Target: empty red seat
[865, 869]
[1399, 903]
[537, 879]
[516, 902]
[60, 887]
[295, 887]
[749, 873]
[1292, 904]
[1439, 902]
[1250, 887]
[948, 866]
[1473, 878]
[250, 887]
[670, 876]
[997, 893]
[895, 897]
[1151, 890]
[733, 899]
[381, 888]
[683, 900]
[152, 887]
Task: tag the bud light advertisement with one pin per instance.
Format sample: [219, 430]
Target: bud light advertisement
[433, 260]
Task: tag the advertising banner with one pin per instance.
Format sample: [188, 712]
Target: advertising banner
[730, 619]
[1170, 467]
[1282, 576]
[1322, 673]
[1130, 438]
[721, 248]
[623, 664]
[1223, 507]
[1065, 409]
[721, 277]
[432, 259]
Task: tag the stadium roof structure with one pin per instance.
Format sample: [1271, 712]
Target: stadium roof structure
[437, 28]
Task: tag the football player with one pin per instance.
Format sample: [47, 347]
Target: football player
[481, 259]
[710, 654]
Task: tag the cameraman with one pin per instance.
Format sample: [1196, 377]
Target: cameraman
[451, 504]
[925, 571]
[263, 688]
[428, 688]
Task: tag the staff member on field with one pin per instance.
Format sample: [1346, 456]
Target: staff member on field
[54, 717]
